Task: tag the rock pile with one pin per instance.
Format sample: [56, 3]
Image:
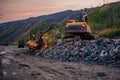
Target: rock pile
[101, 51]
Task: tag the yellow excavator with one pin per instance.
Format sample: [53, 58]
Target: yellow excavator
[35, 44]
[79, 29]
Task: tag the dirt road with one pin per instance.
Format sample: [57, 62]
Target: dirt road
[16, 65]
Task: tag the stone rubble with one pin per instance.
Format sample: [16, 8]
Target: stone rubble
[102, 51]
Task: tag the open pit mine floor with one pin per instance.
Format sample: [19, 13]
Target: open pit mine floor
[15, 64]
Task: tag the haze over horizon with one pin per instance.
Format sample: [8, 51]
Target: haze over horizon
[11, 10]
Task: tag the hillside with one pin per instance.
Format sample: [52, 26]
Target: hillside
[12, 31]
[100, 18]
[105, 16]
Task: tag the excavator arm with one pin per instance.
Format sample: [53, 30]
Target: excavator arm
[51, 27]
[33, 43]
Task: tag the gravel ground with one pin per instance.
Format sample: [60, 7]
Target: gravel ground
[102, 51]
[17, 65]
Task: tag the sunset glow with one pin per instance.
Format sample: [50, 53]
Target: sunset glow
[11, 10]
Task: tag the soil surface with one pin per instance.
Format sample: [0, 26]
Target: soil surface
[15, 64]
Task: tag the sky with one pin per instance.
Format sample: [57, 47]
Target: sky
[11, 10]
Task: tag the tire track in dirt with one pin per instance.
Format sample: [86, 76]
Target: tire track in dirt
[56, 73]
